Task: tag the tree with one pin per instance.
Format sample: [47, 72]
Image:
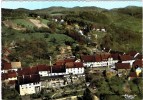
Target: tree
[52, 26]
[87, 95]
[139, 83]
[116, 84]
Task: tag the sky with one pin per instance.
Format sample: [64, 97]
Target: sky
[45, 4]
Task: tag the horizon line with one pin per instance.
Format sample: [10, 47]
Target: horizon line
[69, 4]
[69, 7]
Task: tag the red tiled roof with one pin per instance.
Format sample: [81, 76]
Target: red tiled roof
[138, 63]
[115, 56]
[125, 57]
[4, 76]
[58, 69]
[11, 74]
[24, 71]
[74, 65]
[140, 56]
[33, 70]
[78, 64]
[132, 53]
[105, 56]
[25, 79]
[43, 68]
[60, 62]
[6, 65]
[122, 65]
[88, 58]
[69, 64]
[95, 58]
[98, 58]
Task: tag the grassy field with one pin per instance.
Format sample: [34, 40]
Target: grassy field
[44, 21]
[23, 22]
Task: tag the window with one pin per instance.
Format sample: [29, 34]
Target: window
[37, 89]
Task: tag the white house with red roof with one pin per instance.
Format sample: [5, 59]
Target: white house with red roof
[75, 68]
[28, 84]
[43, 70]
[126, 59]
[98, 60]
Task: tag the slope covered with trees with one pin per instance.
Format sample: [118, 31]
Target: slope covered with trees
[35, 44]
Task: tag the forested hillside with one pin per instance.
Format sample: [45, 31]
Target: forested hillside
[35, 35]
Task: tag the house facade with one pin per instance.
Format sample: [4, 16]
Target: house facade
[98, 60]
[53, 82]
[30, 88]
[74, 68]
[28, 84]
[122, 68]
[126, 59]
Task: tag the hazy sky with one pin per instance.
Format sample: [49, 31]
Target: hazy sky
[45, 4]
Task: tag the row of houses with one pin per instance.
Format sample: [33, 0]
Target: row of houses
[109, 59]
[29, 80]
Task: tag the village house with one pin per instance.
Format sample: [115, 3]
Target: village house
[74, 68]
[53, 81]
[28, 84]
[12, 75]
[9, 79]
[139, 56]
[55, 77]
[4, 78]
[134, 54]
[62, 72]
[57, 70]
[15, 65]
[126, 59]
[138, 63]
[98, 60]
[122, 68]
[5, 66]
[43, 70]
